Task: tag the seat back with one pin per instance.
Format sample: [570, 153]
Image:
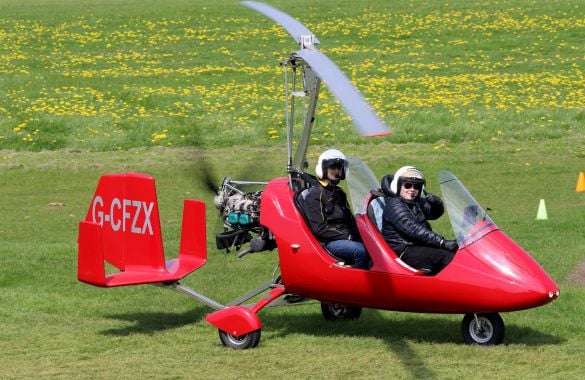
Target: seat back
[376, 210]
[299, 202]
[378, 202]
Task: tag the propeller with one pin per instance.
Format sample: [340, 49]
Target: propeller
[206, 176]
[200, 168]
[366, 121]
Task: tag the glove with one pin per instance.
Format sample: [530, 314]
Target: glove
[433, 198]
[450, 245]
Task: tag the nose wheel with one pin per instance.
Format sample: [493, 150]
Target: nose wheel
[241, 342]
[483, 329]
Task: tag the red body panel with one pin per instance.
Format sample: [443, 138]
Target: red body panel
[496, 275]
[235, 320]
[122, 228]
[239, 320]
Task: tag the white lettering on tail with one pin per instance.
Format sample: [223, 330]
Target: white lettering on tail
[131, 210]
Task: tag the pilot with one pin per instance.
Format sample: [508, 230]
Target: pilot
[328, 213]
[405, 227]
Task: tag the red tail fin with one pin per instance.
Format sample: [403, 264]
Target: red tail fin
[122, 227]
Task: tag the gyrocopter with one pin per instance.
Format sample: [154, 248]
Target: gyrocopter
[490, 273]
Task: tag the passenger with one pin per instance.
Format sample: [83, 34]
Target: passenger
[328, 212]
[405, 227]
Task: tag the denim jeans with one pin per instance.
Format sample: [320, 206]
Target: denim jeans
[351, 251]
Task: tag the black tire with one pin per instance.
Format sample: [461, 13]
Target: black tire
[489, 331]
[241, 342]
[335, 312]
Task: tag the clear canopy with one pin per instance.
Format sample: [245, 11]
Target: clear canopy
[469, 220]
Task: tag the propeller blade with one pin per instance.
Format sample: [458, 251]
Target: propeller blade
[291, 25]
[206, 176]
[364, 118]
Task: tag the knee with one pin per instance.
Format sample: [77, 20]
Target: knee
[359, 249]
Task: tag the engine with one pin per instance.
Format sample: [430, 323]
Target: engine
[240, 212]
[238, 209]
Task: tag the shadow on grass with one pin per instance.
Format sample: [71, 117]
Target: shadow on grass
[373, 324]
[398, 335]
[412, 328]
[152, 322]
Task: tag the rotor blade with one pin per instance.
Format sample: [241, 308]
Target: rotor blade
[291, 25]
[363, 117]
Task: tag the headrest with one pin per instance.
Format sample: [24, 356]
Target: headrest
[385, 184]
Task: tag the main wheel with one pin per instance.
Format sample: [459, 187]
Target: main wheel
[240, 342]
[334, 312]
[483, 329]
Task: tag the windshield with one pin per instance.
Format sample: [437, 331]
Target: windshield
[360, 180]
[469, 221]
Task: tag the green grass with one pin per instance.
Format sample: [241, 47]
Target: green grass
[116, 75]
[492, 91]
[53, 326]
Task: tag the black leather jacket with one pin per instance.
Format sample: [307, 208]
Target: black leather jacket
[328, 214]
[405, 223]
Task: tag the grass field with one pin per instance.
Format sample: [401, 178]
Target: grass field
[106, 75]
[492, 91]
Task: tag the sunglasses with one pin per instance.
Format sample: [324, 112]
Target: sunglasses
[408, 185]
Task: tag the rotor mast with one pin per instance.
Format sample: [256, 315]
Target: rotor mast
[315, 67]
[311, 88]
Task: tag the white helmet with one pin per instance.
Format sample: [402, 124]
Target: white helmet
[406, 173]
[329, 158]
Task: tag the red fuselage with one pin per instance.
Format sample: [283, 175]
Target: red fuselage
[490, 275]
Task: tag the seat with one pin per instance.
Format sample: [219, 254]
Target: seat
[375, 211]
[373, 238]
[299, 202]
[376, 206]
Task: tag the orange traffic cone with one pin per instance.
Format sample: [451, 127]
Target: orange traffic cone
[581, 182]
